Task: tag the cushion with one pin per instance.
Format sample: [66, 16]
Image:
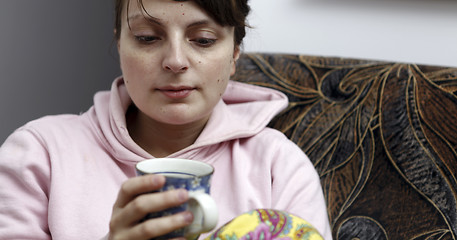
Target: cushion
[266, 224]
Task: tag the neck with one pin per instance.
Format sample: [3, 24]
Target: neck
[161, 139]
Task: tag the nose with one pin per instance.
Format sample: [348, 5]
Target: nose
[175, 59]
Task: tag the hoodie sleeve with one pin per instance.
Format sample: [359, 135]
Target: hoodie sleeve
[24, 186]
[296, 187]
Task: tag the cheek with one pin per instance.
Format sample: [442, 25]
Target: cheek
[130, 64]
[222, 75]
[232, 67]
[135, 70]
[222, 87]
[222, 67]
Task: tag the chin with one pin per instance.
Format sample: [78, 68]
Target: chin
[182, 119]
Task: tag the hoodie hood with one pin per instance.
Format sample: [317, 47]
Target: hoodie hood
[243, 111]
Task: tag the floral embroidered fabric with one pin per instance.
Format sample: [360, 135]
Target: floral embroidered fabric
[266, 224]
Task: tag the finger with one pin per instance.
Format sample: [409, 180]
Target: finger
[138, 185]
[160, 226]
[153, 202]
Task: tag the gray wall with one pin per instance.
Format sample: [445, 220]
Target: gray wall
[54, 55]
[414, 31]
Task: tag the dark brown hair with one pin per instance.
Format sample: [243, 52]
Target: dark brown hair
[225, 12]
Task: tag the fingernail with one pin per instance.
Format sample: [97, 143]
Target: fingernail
[157, 180]
[188, 217]
[182, 195]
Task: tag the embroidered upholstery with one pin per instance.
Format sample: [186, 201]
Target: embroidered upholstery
[382, 135]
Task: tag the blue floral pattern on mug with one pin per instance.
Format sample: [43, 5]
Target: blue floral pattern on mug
[191, 183]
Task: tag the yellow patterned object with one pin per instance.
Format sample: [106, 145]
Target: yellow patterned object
[266, 224]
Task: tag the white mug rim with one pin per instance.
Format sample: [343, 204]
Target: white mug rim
[162, 165]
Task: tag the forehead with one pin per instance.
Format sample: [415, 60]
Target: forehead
[135, 9]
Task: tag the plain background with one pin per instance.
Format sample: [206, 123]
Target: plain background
[413, 31]
[55, 54]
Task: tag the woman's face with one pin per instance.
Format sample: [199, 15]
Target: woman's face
[176, 63]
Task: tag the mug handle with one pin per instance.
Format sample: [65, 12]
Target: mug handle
[205, 212]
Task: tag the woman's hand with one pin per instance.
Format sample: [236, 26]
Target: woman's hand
[134, 202]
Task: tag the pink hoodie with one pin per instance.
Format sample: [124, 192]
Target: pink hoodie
[60, 175]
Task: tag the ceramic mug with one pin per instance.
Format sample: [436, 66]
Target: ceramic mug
[195, 177]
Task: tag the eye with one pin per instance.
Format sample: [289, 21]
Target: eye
[146, 39]
[204, 42]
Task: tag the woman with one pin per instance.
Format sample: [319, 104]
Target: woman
[70, 176]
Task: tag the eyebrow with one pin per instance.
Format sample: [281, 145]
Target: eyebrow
[159, 22]
[198, 23]
[148, 17]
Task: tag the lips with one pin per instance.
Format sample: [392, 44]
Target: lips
[176, 92]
